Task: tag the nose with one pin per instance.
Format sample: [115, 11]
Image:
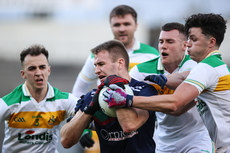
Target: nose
[97, 70]
[162, 46]
[121, 28]
[189, 43]
[38, 72]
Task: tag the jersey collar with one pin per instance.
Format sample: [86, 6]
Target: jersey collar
[50, 93]
[136, 46]
[160, 66]
[215, 52]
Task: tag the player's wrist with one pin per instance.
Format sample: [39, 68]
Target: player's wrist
[129, 100]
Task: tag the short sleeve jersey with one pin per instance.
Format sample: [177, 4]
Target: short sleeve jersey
[32, 126]
[170, 128]
[211, 77]
[111, 136]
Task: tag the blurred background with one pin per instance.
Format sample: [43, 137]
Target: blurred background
[70, 28]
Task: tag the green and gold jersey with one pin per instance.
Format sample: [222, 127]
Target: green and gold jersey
[211, 77]
[34, 126]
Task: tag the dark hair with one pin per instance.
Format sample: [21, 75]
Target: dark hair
[116, 50]
[122, 10]
[33, 50]
[174, 26]
[211, 24]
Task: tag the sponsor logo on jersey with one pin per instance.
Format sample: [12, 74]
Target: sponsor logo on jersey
[201, 106]
[52, 120]
[19, 119]
[117, 135]
[29, 137]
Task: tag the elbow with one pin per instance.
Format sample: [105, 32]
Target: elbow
[129, 128]
[176, 109]
[65, 143]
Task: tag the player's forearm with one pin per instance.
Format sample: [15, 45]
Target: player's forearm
[131, 119]
[175, 79]
[72, 131]
[160, 103]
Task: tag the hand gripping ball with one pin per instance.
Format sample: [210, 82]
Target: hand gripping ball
[104, 105]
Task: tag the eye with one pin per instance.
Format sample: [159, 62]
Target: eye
[31, 68]
[41, 67]
[170, 41]
[161, 41]
[116, 25]
[127, 24]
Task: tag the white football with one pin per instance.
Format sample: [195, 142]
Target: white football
[104, 105]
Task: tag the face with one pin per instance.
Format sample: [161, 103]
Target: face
[123, 29]
[198, 44]
[104, 66]
[172, 46]
[36, 71]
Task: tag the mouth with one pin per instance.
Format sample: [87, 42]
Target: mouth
[102, 77]
[39, 81]
[122, 36]
[164, 54]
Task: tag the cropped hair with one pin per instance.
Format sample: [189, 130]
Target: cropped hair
[33, 50]
[116, 50]
[213, 25]
[122, 10]
[174, 26]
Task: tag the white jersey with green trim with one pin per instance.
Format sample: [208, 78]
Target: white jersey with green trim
[211, 77]
[86, 78]
[174, 132]
[31, 126]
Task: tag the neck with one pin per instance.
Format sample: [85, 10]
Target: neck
[130, 45]
[38, 94]
[126, 76]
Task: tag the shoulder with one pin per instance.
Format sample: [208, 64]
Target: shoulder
[148, 66]
[16, 96]
[213, 61]
[59, 94]
[144, 48]
[187, 64]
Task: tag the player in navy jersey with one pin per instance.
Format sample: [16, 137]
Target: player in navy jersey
[132, 130]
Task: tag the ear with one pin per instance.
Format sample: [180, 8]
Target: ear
[23, 74]
[212, 42]
[136, 26]
[121, 62]
[184, 45]
[49, 70]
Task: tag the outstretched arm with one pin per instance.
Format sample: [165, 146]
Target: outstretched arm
[172, 81]
[175, 79]
[72, 131]
[176, 103]
[169, 104]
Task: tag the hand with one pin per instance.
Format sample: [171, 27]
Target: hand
[115, 96]
[79, 103]
[114, 79]
[86, 139]
[158, 79]
[94, 104]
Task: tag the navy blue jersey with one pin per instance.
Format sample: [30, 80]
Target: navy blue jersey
[111, 136]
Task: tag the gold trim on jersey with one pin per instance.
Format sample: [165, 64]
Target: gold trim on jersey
[131, 65]
[36, 119]
[223, 83]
